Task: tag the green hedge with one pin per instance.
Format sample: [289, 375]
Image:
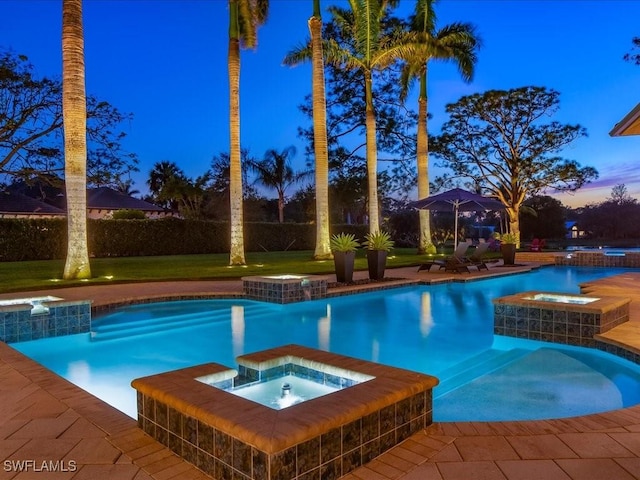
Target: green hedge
[22, 239]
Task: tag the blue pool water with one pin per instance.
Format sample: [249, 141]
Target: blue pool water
[442, 330]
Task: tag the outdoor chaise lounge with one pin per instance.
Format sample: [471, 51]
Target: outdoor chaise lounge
[452, 263]
[476, 257]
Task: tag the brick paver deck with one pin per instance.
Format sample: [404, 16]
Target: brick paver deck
[43, 417]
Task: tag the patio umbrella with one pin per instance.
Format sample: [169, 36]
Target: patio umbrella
[457, 200]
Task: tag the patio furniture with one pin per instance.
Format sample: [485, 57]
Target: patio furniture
[450, 263]
[476, 258]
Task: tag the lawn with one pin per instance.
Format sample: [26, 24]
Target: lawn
[34, 275]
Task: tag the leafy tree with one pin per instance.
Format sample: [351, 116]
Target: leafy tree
[31, 121]
[547, 221]
[244, 18]
[126, 187]
[610, 219]
[187, 194]
[74, 113]
[456, 42]
[275, 171]
[620, 196]
[161, 176]
[498, 139]
[634, 55]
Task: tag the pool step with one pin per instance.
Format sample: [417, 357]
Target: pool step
[101, 330]
[475, 367]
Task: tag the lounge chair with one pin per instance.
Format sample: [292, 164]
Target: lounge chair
[476, 257]
[452, 262]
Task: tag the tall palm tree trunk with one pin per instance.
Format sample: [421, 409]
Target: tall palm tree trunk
[422, 157]
[372, 156]
[236, 249]
[323, 248]
[74, 113]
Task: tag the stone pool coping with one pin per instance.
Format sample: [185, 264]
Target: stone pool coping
[275, 430]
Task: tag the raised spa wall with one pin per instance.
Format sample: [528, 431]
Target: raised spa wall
[229, 437]
[521, 316]
[585, 258]
[284, 288]
[22, 322]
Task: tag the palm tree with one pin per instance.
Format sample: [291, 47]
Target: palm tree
[163, 174]
[323, 247]
[244, 18]
[457, 42]
[275, 171]
[74, 114]
[368, 50]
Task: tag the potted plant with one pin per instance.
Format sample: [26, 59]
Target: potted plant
[343, 246]
[378, 245]
[508, 248]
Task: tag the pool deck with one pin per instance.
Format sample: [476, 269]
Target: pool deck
[43, 417]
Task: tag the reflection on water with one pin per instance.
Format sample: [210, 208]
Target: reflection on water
[426, 317]
[237, 329]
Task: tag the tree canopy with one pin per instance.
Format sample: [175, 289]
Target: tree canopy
[634, 55]
[499, 140]
[31, 128]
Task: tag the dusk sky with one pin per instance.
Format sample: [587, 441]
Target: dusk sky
[165, 61]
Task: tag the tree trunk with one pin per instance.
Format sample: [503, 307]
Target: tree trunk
[280, 208]
[514, 223]
[422, 156]
[372, 157]
[323, 248]
[236, 252]
[74, 112]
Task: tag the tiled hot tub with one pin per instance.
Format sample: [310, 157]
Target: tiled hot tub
[562, 318]
[285, 288]
[193, 412]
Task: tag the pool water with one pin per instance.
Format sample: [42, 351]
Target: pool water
[442, 330]
[273, 395]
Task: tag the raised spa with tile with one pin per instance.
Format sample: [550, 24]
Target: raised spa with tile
[287, 288]
[571, 319]
[243, 423]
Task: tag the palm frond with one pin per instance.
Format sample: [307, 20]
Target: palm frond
[299, 54]
[424, 18]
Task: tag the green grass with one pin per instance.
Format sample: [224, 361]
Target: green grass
[36, 275]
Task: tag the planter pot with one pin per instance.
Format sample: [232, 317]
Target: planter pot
[508, 253]
[377, 260]
[343, 262]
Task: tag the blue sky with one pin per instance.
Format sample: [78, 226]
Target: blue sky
[165, 62]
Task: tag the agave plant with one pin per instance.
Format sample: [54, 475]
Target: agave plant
[378, 240]
[344, 242]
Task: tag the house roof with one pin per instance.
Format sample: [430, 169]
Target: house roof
[17, 203]
[105, 198]
[101, 198]
[629, 125]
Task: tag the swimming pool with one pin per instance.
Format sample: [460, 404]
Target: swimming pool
[442, 330]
